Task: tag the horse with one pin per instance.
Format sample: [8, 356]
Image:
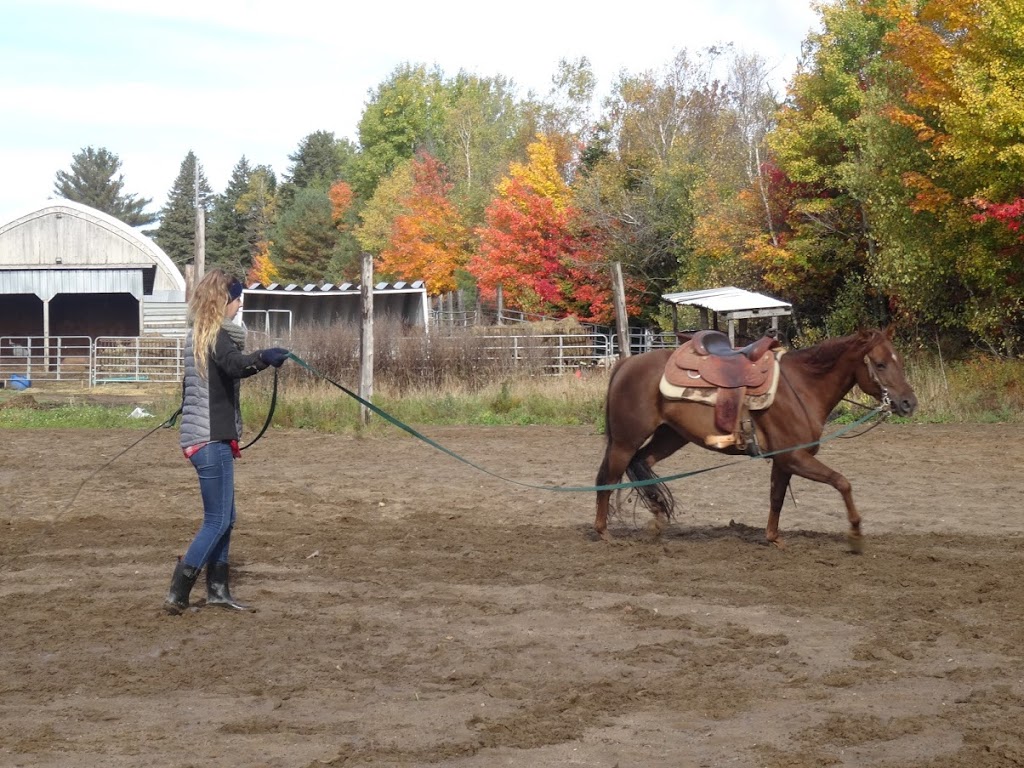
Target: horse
[643, 427]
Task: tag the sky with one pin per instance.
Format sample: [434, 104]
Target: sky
[150, 81]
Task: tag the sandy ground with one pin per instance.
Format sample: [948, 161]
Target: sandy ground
[414, 611]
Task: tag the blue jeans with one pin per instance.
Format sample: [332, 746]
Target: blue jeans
[215, 466]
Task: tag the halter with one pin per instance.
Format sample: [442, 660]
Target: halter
[884, 399]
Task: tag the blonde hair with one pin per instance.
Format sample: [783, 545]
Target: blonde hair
[206, 314]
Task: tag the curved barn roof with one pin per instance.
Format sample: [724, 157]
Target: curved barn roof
[76, 236]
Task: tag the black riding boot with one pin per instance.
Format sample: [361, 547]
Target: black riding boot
[181, 585]
[218, 592]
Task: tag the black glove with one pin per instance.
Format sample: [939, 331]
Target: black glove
[274, 356]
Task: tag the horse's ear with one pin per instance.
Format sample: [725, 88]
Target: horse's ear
[889, 331]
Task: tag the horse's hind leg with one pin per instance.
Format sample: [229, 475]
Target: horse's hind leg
[616, 459]
[663, 443]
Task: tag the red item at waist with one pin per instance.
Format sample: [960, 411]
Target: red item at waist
[192, 450]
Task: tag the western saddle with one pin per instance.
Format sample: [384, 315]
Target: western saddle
[708, 369]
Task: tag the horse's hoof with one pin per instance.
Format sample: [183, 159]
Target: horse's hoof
[856, 543]
[777, 543]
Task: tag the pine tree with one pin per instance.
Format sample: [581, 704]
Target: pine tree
[227, 244]
[305, 238]
[318, 162]
[177, 231]
[94, 181]
[258, 206]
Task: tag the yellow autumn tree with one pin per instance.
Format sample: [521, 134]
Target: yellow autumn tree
[540, 174]
[263, 270]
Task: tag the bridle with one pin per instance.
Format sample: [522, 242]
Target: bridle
[873, 373]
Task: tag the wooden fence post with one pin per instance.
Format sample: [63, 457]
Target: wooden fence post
[366, 337]
[621, 319]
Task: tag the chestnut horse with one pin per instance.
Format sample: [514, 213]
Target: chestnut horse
[643, 427]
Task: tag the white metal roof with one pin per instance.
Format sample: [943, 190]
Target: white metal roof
[728, 300]
[76, 235]
[327, 289]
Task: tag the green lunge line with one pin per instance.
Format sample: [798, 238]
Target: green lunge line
[569, 488]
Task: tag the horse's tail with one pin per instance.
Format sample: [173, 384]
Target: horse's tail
[656, 496]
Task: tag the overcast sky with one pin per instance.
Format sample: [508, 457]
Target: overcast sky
[150, 81]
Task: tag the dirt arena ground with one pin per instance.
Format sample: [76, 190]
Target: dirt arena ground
[414, 611]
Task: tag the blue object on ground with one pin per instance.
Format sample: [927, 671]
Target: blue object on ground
[20, 382]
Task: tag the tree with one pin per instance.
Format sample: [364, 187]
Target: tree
[228, 244]
[404, 114]
[845, 160]
[482, 128]
[91, 181]
[537, 246]
[258, 207]
[305, 237]
[176, 234]
[346, 261]
[962, 106]
[656, 139]
[318, 162]
[565, 114]
[428, 240]
[262, 270]
[388, 203]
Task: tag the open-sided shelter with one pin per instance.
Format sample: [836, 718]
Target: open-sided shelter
[731, 306]
[277, 309]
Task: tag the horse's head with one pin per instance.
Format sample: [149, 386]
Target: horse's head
[881, 375]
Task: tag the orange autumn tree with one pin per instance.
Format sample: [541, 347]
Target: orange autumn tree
[538, 247]
[341, 196]
[428, 240]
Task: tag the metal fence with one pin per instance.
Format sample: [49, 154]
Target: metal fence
[160, 359]
[46, 358]
[138, 359]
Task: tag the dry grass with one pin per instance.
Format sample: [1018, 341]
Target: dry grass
[454, 378]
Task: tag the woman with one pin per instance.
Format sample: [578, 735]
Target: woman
[211, 425]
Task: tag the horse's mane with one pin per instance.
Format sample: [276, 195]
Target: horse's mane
[822, 357]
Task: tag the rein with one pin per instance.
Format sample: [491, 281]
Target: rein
[578, 488]
[883, 409]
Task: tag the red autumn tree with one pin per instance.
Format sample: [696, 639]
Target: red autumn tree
[428, 241]
[538, 248]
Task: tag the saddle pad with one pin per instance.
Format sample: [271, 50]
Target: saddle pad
[709, 395]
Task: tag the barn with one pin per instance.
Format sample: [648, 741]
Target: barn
[85, 297]
[68, 270]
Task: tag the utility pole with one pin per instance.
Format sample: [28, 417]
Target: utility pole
[200, 257]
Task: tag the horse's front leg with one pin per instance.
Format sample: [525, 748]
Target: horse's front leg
[805, 465]
[780, 484]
